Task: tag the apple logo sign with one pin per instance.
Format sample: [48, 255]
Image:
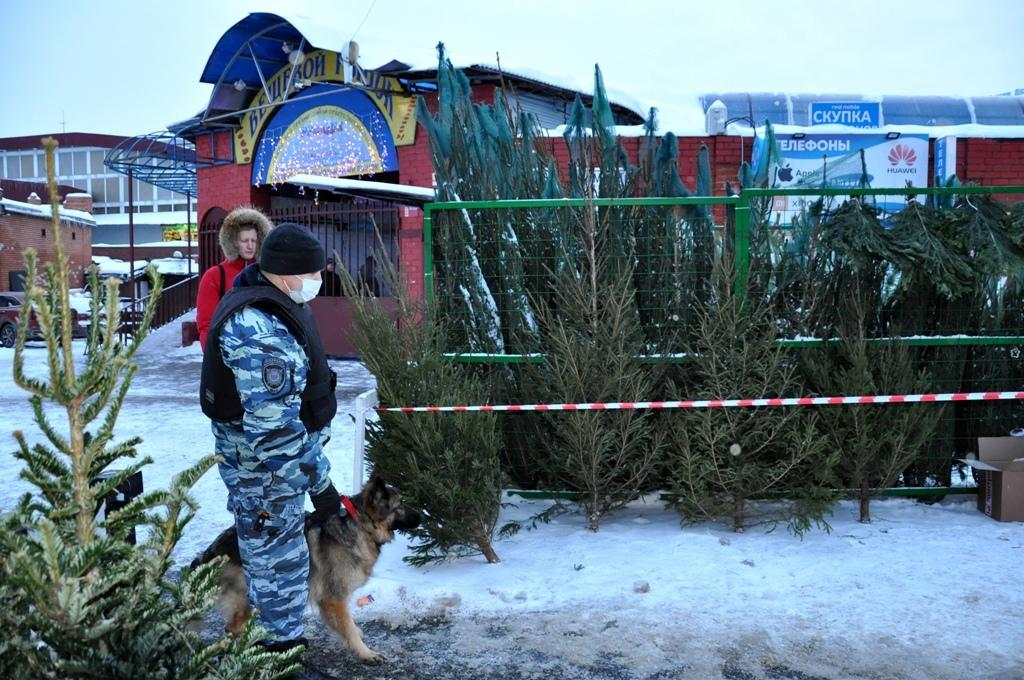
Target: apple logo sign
[785, 174]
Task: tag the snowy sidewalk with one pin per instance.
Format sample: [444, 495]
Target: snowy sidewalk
[924, 591]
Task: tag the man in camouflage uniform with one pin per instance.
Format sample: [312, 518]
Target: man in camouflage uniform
[270, 393]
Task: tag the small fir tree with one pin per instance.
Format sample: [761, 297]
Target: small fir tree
[594, 353]
[721, 458]
[446, 464]
[77, 598]
[876, 442]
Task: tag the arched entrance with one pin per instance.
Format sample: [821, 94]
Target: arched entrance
[209, 230]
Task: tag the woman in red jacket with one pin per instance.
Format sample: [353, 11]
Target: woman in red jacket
[240, 237]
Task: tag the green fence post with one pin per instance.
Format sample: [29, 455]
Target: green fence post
[428, 252]
[741, 252]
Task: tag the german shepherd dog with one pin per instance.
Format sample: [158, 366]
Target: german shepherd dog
[342, 552]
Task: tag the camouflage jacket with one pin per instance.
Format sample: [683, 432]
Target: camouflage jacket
[269, 444]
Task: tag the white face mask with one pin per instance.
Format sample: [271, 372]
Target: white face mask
[309, 290]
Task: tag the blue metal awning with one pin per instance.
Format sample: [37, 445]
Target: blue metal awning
[163, 159]
[254, 44]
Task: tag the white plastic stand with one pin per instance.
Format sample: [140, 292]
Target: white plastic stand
[365, 403]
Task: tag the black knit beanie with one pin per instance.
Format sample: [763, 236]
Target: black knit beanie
[291, 249]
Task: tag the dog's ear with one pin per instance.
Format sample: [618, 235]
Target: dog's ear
[377, 487]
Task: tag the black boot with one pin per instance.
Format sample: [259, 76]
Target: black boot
[284, 645]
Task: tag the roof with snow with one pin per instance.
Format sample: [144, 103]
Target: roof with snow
[110, 266]
[396, 193]
[43, 211]
[262, 42]
[169, 218]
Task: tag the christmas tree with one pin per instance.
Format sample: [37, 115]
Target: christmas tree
[78, 597]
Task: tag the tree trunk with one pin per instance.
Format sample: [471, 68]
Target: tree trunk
[488, 551]
[737, 515]
[865, 501]
[594, 516]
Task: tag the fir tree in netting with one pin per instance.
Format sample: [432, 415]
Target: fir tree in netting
[593, 354]
[445, 464]
[484, 152]
[77, 598]
[876, 443]
[719, 459]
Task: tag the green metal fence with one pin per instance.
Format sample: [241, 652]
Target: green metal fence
[516, 246]
[491, 266]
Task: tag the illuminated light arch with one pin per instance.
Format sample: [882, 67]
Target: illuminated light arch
[310, 146]
[339, 134]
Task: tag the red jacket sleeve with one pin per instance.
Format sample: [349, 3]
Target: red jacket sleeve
[206, 301]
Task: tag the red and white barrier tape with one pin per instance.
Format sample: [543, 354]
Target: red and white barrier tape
[714, 403]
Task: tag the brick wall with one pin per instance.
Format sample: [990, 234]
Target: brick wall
[414, 168]
[993, 162]
[984, 161]
[18, 232]
[225, 186]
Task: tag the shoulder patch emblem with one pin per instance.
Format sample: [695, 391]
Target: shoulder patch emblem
[275, 374]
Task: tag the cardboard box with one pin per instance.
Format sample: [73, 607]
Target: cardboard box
[1000, 474]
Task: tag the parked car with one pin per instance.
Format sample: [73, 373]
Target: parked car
[10, 312]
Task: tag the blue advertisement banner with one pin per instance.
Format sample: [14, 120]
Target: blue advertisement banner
[842, 161]
[851, 114]
[945, 158]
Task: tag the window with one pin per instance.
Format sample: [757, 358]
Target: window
[998, 110]
[112, 189]
[96, 160]
[899, 110]
[143, 191]
[41, 165]
[16, 279]
[64, 164]
[14, 166]
[28, 166]
[99, 190]
[79, 160]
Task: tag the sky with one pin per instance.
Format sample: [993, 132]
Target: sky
[929, 592]
[125, 67]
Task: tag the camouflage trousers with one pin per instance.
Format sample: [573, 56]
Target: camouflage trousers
[271, 539]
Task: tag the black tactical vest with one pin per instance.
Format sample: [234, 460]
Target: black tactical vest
[217, 391]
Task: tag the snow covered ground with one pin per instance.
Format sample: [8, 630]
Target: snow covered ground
[924, 591]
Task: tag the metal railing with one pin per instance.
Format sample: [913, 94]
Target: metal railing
[174, 301]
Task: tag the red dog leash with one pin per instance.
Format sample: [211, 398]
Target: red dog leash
[350, 507]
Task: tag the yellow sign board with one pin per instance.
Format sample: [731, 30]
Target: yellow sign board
[323, 66]
[178, 232]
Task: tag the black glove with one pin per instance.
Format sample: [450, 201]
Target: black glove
[325, 504]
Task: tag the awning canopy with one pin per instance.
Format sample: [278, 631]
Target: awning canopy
[404, 194]
[163, 159]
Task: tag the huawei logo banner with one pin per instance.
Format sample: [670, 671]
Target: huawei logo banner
[842, 160]
[902, 154]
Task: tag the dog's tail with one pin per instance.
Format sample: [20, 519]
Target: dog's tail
[226, 544]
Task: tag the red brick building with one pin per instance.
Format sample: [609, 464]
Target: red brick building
[303, 110]
[28, 225]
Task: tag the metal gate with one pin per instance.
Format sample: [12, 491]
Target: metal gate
[209, 245]
[352, 232]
